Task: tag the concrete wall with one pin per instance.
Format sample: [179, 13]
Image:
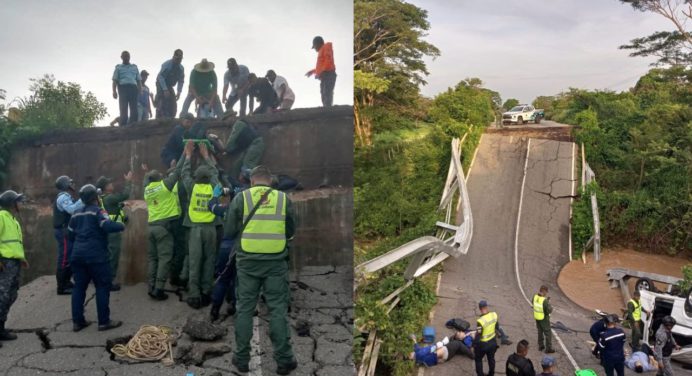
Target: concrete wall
[313, 145]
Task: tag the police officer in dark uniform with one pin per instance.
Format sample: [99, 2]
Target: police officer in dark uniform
[89, 229]
[63, 208]
[610, 348]
[665, 344]
[518, 364]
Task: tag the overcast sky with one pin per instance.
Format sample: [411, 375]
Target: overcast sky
[81, 41]
[526, 48]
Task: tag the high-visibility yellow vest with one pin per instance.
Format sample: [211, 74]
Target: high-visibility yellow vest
[487, 322]
[114, 217]
[11, 241]
[162, 203]
[199, 204]
[637, 312]
[266, 231]
[538, 313]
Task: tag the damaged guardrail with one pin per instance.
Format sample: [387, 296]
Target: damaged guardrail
[588, 176]
[427, 251]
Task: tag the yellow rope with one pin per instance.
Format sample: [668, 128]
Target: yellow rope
[150, 343]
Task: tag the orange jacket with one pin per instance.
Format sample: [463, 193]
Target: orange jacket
[325, 60]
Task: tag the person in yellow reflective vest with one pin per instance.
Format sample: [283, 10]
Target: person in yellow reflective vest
[541, 313]
[485, 343]
[113, 204]
[163, 205]
[262, 219]
[12, 257]
[634, 315]
[202, 223]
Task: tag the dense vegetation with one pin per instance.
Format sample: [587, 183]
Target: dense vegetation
[52, 105]
[639, 143]
[402, 154]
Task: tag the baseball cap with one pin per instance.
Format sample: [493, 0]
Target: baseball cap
[548, 361]
[482, 304]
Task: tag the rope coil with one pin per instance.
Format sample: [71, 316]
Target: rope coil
[150, 343]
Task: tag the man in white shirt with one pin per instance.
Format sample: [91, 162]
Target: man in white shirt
[285, 94]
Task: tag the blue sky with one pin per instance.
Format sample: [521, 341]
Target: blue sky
[81, 41]
[526, 48]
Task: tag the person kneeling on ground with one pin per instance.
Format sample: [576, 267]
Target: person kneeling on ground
[440, 352]
[88, 229]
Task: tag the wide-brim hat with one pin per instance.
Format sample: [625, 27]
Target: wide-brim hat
[204, 66]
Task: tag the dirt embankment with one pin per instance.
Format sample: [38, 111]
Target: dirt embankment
[587, 284]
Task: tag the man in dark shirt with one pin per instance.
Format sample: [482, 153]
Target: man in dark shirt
[113, 203]
[246, 147]
[89, 229]
[174, 146]
[518, 364]
[263, 90]
[610, 348]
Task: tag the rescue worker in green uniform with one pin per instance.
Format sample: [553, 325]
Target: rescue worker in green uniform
[202, 223]
[12, 257]
[634, 315]
[485, 343]
[541, 313]
[161, 196]
[113, 204]
[262, 218]
[245, 146]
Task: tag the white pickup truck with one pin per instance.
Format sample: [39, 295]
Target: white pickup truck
[522, 114]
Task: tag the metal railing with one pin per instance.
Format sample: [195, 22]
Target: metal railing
[588, 176]
[427, 251]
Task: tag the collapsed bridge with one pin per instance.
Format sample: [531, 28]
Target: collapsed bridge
[312, 145]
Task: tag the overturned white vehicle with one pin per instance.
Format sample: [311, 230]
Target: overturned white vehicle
[662, 304]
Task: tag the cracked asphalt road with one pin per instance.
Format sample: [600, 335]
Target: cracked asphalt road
[321, 296]
[488, 270]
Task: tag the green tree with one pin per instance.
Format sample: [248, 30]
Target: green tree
[52, 105]
[639, 143]
[57, 104]
[672, 48]
[546, 103]
[388, 52]
[509, 103]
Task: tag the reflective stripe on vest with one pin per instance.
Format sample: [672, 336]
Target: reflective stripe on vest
[161, 202]
[488, 323]
[266, 231]
[637, 312]
[538, 313]
[199, 204]
[11, 241]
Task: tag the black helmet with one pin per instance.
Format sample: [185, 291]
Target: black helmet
[612, 318]
[9, 198]
[63, 182]
[668, 321]
[102, 182]
[88, 193]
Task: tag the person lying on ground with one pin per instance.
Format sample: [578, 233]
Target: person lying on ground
[442, 351]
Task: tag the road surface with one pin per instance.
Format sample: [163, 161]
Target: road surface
[522, 217]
